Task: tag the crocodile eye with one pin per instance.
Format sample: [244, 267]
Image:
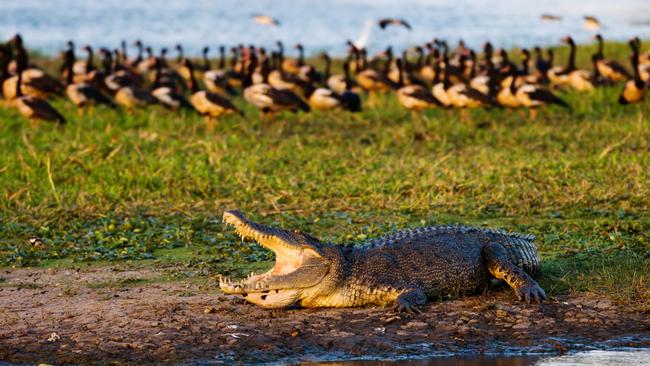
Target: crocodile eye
[263, 297]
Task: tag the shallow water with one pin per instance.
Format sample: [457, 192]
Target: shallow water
[320, 25]
[638, 357]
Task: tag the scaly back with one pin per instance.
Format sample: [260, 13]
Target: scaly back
[520, 247]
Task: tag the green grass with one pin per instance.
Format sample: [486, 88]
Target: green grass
[150, 187]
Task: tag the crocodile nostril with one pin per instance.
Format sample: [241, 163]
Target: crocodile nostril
[263, 297]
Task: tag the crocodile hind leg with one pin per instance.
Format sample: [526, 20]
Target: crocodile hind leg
[526, 288]
[409, 300]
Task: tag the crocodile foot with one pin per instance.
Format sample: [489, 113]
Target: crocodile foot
[531, 292]
[403, 306]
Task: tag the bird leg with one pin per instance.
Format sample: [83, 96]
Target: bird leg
[464, 115]
[80, 112]
[210, 123]
[532, 113]
[417, 124]
[372, 99]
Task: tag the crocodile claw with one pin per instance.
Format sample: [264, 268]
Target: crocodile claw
[531, 293]
[405, 307]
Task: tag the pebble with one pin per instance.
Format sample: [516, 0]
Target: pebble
[335, 333]
[522, 325]
[209, 309]
[415, 325]
[603, 305]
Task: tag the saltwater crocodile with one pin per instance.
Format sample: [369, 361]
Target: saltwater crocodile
[404, 269]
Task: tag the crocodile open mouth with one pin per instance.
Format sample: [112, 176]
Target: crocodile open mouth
[298, 264]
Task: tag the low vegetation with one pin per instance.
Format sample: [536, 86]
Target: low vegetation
[150, 186]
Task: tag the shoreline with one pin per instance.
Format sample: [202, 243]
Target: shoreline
[128, 315]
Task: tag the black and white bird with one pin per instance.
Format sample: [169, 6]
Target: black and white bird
[385, 22]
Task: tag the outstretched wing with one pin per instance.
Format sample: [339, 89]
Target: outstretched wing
[383, 23]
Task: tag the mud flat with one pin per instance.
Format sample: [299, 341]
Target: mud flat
[130, 316]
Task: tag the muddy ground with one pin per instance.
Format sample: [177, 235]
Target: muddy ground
[120, 315]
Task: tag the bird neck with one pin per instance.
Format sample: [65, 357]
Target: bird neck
[571, 64]
[158, 71]
[206, 61]
[301, 57]
[594, 60]
[194, 87]
[445, 79]
[635, 67]
[69, 64]
[19, 91]
[601, 47]
[524, 65]
[222, 59]
[328, 64]
[4, 64]
[139, 58]
[89, 60]
[346, 72]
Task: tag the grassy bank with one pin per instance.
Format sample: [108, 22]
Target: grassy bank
[151, 186]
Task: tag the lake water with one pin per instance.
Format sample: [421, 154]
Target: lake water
[320, 25]
[632, 357]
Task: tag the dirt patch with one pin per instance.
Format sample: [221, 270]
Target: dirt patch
[62, 316]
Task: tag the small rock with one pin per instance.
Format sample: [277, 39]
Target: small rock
[602, 305]
[390, 319]
[209, 310]
[53, 337]
[501, 313]
[341, 334]
[415, 325]
[522, 325]
[295, 332]
[483, 307]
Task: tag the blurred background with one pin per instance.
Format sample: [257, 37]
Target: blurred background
[319, 25]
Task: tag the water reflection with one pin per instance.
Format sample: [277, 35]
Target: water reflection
[637, 357]
[444, 361]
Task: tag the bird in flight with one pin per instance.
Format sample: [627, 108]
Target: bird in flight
[591, 23]
[383, 23]
[265, 20]
[551, 17]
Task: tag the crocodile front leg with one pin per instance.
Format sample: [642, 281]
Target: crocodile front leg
[526, 288]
